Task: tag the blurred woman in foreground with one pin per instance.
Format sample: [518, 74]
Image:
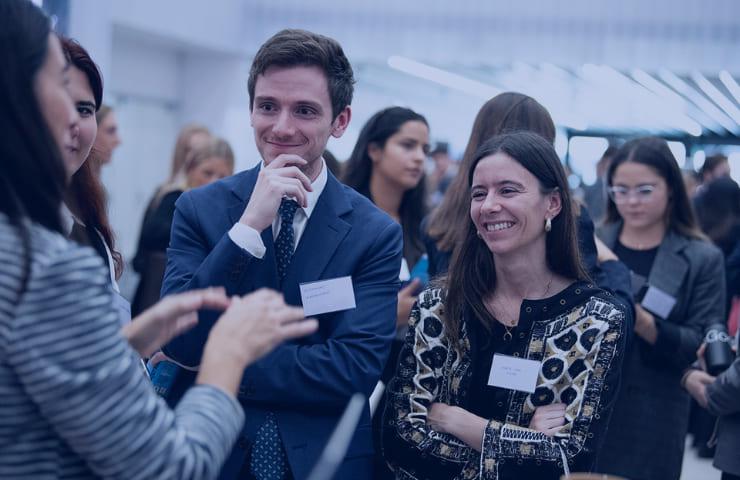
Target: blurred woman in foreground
[75, 404]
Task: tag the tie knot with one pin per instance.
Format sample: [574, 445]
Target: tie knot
[287, 210]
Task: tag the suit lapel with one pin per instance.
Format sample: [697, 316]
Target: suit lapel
[324, 232]
[669, 267]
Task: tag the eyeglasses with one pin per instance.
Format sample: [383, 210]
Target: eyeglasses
[642, 193]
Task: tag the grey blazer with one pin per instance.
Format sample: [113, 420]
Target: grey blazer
[691, 271]
[646, 435]
[724, 400]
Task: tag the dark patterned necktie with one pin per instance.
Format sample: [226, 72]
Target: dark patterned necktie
[268, 457]
[285, 241]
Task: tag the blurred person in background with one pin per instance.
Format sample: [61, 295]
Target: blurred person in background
[85, 212]
[442, 174]
[721, 397]
[207, 162]
[190, 137]
[75, 404]
[718, 212]
[594, 196]
[691, 181]
[715, 166]
[108, 138]
[387, 166]
[679, 288]
[517, 291]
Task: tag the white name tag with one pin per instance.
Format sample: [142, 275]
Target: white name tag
[514, 373]
[326, 296]
[658, 302]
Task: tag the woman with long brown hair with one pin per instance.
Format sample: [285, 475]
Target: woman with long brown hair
[74, 402]
[511, 364]
[86, 215]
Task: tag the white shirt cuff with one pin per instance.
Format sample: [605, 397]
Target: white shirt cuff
[248, 239]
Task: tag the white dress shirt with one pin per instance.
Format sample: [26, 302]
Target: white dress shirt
[250, 240]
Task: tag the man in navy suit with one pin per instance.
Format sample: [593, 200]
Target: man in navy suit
[286, 222]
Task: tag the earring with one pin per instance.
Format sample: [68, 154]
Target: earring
[477, 232]
[548, 224]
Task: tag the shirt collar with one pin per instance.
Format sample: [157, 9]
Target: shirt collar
[318, 185]
[68, 220]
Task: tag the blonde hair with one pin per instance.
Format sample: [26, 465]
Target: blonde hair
[102, 112]
[214, 148]
[182, 148]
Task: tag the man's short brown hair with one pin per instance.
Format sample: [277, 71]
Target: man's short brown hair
[294, 48]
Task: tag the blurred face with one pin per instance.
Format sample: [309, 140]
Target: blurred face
[721, 170]
[441, 161]
[292, 114]
[50, 86]
[401, 160]
[208, 171]
[508, 207]
[107, 139]
[83, 134]
[640, 194]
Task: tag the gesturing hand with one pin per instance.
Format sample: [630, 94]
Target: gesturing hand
[254, 325]
[548, 419]
[170, 317]
[281, 178]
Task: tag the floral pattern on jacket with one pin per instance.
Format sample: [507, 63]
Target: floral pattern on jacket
[577, 335]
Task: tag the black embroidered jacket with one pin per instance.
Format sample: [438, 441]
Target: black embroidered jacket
[577, 335]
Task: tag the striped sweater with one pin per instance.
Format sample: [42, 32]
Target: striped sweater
[73, 401]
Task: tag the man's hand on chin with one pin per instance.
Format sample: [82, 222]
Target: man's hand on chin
[281, 178]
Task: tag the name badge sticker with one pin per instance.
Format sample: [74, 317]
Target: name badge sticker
[658, 302]
[514, 373]
[326, 296]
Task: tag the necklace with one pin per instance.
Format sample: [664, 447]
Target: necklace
[514, 323]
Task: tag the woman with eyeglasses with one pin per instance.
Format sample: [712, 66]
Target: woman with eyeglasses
[679, 288]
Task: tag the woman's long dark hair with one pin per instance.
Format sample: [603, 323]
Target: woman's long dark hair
[654, 153]
[472, 273]
[359, 168]
[31, 168]
[504, 113]
[86, 191]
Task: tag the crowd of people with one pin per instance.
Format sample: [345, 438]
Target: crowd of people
[499, 331]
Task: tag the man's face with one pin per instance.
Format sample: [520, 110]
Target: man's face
[292, 114]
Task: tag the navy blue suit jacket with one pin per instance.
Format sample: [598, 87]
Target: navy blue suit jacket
[307, 382]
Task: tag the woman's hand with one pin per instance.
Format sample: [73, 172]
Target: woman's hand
[645, 325]
[250, 328]
[441, 417]
[548, 419]
[696, 384]
[406, 298]
[170, 317]
[458, 422]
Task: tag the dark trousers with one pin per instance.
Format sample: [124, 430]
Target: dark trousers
[729, 476]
